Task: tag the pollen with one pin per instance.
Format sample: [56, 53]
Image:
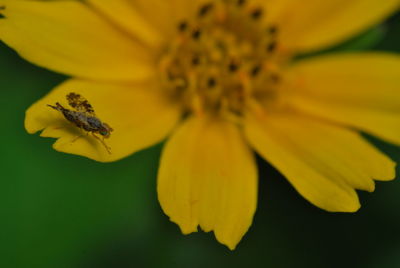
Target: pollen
[223, 58]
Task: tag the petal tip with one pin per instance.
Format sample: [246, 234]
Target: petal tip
[186, 228]
[393, 168]
[351, 208]
[371, 187]
[230, 243]
[388, 171]
[29, 125]
[347, 204]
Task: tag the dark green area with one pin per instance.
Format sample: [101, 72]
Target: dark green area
[62, 210]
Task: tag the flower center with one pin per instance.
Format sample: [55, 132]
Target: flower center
[223, 58]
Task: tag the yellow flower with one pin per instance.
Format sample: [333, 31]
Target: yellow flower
[219, 80]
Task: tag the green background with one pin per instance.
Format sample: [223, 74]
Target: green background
[62, 210]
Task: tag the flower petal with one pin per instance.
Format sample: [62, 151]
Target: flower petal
[359, 90]
[323, 162]
[139, 114]
[208, 177]
[314, 24]
[184, 9]
[68, 37]
[124, 13]
[151, 21]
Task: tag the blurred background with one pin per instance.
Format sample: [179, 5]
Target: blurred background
[60, 210]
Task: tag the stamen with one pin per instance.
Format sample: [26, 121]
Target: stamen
[271, 47]
[255, 70]
[195, 60]
[272, 30]
[211, 82]
[257, 13]
[205, 9]
[241, 2]
[233, 67]
[196, 34]
[222, 58]
[182, 26]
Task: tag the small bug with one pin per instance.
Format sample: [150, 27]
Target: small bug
[83, 117]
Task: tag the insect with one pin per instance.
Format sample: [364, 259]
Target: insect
[83, 117]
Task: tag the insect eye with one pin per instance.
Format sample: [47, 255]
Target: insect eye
[104, 133]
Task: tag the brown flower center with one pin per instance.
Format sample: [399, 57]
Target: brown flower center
[222, 58]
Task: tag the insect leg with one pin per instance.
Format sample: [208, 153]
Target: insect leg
[102, 142]
[79, 136]
[76, 138]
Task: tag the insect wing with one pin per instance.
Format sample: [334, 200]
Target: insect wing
[80, 104]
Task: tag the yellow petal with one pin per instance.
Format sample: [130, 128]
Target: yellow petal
[148, 19]
[166, 15]
[139, 114]
[124, 13]
[184, 9]
[314, 24]
[208, 177]
[359, 90]
[323, 162]
[68, 37]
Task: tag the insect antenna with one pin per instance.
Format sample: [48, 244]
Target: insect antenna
[58, 107]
